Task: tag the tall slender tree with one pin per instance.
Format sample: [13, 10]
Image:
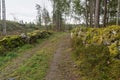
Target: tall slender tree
[94, 12]
[97, 13]
[105, 13]
[39, 20]
[77, 10]
[4, 16]
[118, 13]
[0, 9]
[87, 15]
[91, 2]
[59, 8]
[45, 17]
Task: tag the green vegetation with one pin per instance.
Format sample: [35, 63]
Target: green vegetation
[12, 51]
[17, 28]
[97, 52]
[10, 42]
[13, 54]
[35, 68]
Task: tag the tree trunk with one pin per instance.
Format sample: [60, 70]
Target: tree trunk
[105, 13]
[4, 16]
[54, 17]
[97, 13]
[0, 9]
[57, 21]
[86, 13]
[91, 12]
[118, 13]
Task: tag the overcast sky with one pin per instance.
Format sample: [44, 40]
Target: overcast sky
[24, 9]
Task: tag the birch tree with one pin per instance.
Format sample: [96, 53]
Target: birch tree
[0, 9]
[59, 8]
[39, 20]
[4, 16]
[45, 17]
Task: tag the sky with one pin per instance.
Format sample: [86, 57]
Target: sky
[25, 9]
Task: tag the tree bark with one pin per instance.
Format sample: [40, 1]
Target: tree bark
[91, 12]
[118, 13]
[0, 9]
[97, 13]
[105, 13]
[86, 13]
[54, 17]
[4, 16]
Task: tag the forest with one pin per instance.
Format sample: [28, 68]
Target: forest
[77, 40]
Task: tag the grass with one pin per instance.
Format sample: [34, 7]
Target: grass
[13, 54]
[17, 52]
[35, 68]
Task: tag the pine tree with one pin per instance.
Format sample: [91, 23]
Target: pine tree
[97, 13]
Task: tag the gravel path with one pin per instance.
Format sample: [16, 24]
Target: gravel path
[62, 66]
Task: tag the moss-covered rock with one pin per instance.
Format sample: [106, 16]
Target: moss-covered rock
[107, 36]
[97, 52]
[10, 42]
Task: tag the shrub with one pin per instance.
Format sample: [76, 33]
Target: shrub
[109, 36]
[10, 42]
[92, 62]
[97, 52]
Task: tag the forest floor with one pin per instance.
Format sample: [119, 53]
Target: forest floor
[49, 60]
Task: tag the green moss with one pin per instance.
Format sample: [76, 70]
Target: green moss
[106, 36]
[10, 42]
[114, 51]
[98, 58]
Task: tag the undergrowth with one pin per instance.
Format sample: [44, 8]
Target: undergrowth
[97, 56]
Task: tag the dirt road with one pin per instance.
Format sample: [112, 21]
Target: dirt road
[61, 65]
